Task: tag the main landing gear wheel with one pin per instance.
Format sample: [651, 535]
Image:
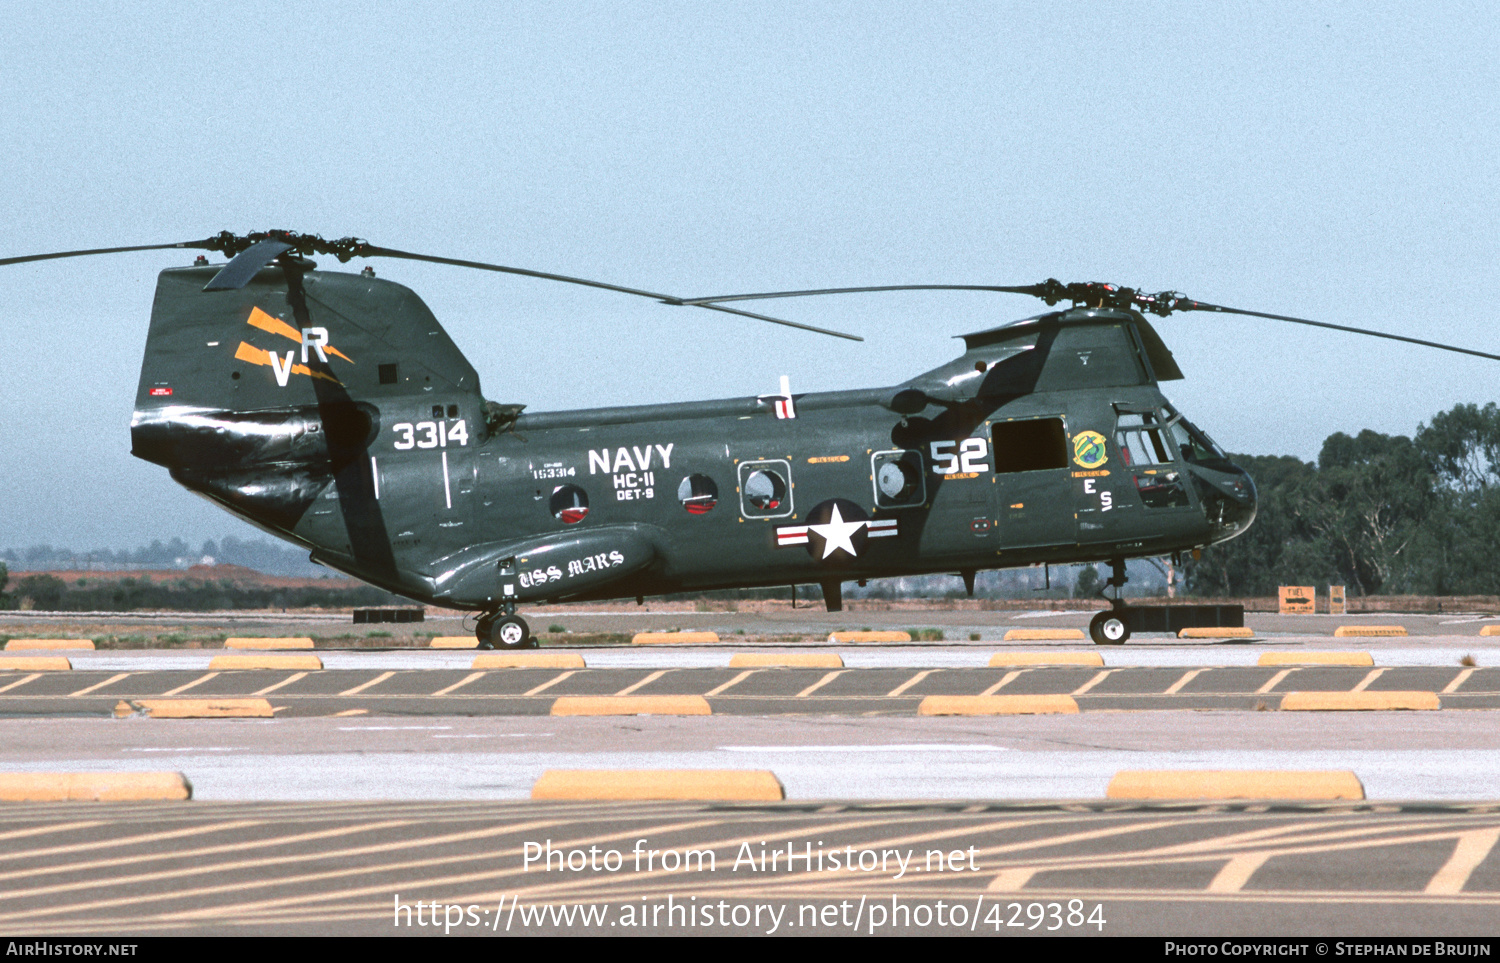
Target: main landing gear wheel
[1109, 628]
[504, 632]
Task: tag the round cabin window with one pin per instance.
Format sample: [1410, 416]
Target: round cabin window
[765, 490]
[698, 494]
[570, 504]
[897, 480]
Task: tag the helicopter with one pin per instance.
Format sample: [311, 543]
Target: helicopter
[332, 410]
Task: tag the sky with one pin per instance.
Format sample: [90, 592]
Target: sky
[1334, 161]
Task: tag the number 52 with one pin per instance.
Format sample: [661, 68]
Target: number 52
[970, 457]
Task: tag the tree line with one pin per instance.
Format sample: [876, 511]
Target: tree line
[1379, 514]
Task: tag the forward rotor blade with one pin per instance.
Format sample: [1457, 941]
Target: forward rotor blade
[373, 251]
[1186, 305]
[1035, 290]
[206, 244]
[246, 264]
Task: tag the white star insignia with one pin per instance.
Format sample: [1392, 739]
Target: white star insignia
[837, 533]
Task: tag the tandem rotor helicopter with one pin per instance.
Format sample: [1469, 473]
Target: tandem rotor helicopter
[332, 410]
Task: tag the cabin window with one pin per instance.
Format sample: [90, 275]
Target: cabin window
[569, 504]
[1034, 445]
[698, 494]
[765, 489]
[898, 478]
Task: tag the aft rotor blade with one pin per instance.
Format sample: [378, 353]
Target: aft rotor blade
[246, 264]
[1187, 305]
[372, 251]
[1035, 290]
[205, 244]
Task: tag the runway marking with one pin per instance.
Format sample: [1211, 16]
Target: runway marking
[96, 685]
[365, 685]
[1472, 849]
[1005, 680]
[1450, 688]
[1369, 677]
[460, 683]
[338, 854]
[910, 682]
[1011, 880]
[550, 683]
[287, 681]
[1092, 682]
[1237, 872]
[646, 681]
[202, 851]
[1187, 677]
[184, 688]
[21, 681]
[137, 840]
[732, 682]
[1275, 680]
[59, 828]
[820, 683]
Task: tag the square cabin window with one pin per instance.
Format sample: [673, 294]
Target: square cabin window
[1034, 445]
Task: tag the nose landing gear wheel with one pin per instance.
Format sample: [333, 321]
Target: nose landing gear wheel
[504, 632]
[1108, 628]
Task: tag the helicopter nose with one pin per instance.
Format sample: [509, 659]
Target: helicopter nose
[1237, 510]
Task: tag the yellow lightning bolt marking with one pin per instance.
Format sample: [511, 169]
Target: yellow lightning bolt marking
[262, 320]
[254, 355]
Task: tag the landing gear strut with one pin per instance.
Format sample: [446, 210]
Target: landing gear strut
[504, 630]
[1112, 628]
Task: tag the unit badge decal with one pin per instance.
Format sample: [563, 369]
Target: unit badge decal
[1088, 449]
[836, 531]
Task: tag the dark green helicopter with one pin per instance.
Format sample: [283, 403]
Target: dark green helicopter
[332, 410]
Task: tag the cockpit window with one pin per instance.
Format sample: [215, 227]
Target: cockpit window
[1141, 441]
[1191, 442]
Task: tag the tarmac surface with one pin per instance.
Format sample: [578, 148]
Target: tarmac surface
[402, 776]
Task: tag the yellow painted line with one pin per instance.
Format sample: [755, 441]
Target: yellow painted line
[15, 645]
[673, 638]
[21, 681]
[460, 683]
[1490, 630]
[287, 681]
[36, 663]
[183, 688]
[99, 685]
[1472, 849]
[996, 705]
[1187, 677]
[1358, 701]
[1315, 658]
[299, 642]
[665, 705]
[454, 642]
[197, 708]
[1041, 635]
[1368, 631]
[1219, 632]
[310, 662]
[1098, 678]
[1370, 676]
[93, 786]
[644, 682]
[351, 712]
[550, 683]
[528, 660]
[1002, 659]
[366, 685]
[1458, 680]
[1234, 784]
[910, 682]
[646, 784]
[1005, 680]
[869, 637]
[796, 660]
[732, 682]
[1237, 872]
[1274, 681]
[821, 683]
